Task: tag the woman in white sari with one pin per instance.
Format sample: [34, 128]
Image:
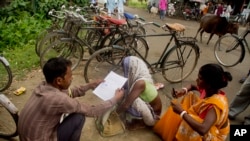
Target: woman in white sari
[141, 99]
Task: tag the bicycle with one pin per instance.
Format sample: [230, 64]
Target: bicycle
[229, 50]
[179, 59]
[5, 74]
[8, 111]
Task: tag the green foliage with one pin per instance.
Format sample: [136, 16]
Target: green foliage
[22, 31]
[20, 24]
[139, 4]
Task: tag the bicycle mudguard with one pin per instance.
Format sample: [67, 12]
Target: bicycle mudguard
[4, 61]
[8, 104]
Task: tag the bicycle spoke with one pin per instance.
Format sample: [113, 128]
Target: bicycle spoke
[102, 62]
[8, 125]
[179, 62]
[228, 51]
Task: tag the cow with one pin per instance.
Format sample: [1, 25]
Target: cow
[216, 25]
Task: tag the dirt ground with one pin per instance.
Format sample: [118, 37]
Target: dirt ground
[89, 132]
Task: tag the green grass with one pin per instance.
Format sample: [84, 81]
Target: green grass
[141, 5]
[22, 60]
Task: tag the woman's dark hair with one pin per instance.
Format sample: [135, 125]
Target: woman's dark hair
[215, 76]
[55, 67]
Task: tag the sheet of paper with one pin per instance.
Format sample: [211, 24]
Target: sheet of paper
[106, 90]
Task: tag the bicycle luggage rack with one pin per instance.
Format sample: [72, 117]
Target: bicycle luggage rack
[187, 39]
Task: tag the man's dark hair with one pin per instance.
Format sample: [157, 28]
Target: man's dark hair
[55, 67]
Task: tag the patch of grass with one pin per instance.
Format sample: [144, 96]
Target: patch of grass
[141, 5]
[22, 59]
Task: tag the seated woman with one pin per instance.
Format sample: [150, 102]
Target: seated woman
[198, 118]
[141, 99]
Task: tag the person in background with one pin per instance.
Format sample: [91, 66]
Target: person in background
[111, 5]
[219, 10]
[120, 7]
[228, 12]
[242, 80]
[40, 119]
[162, 8]
[203, 117]
[142, 101]
[241, 102]
[203, 9]
[93, 2]
[211, 8]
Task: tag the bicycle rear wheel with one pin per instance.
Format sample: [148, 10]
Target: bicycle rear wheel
[102, 62]
[180, 62]
[5, 74]
[71, 50]
[228, 50]
[8, 121]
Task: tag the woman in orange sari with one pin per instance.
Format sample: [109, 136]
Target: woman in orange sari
[198, 118]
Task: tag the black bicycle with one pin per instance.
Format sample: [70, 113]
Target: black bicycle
[175, 63]
[229, 50]
[8, 111]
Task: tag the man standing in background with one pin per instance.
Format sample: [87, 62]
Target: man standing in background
[162, 8]
[111, 5]
[120, 5]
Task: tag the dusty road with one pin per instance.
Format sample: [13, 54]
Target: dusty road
[89, 132]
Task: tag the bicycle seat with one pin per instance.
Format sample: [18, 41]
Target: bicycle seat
[129, 16]
[117, 21]
[176, 27]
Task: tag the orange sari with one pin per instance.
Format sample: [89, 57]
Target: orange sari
[171, 127]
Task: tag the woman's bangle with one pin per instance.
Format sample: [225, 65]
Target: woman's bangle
[182, 113]
[185, 89]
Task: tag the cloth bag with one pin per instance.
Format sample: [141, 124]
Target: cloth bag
[110, 124]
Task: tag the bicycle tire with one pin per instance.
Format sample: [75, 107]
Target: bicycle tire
[102, 62]
[109, 39]
[229, 50]
[68, 49]
[93, 38]
[5, 74]
[48, 39]
[39, 38]
[139, 43]
[179, 62]
[8, 122]
[139, 30]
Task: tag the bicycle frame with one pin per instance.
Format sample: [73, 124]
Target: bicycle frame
[155, 66]
[242, 40]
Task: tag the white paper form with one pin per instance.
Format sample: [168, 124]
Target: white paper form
[106, 89]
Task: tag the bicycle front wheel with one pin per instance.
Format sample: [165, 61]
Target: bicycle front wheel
[228, 50]
[5, 74]
[71, 50]
[180, 62]
[102, 62]
[8, 121]
[136, 46]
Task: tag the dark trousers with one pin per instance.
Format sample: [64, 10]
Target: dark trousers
[71, 127]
